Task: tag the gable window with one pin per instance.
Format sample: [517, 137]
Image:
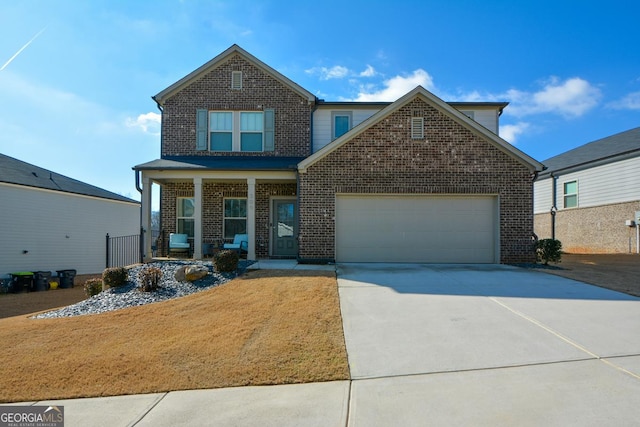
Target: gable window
[340, 123]
[236, 80]
[571, 194]
[248, 131]
[184, 215]
[417, 127]
[235, 217]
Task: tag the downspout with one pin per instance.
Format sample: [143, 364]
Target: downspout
[554, 207]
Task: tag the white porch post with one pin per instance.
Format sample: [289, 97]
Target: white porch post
[145, 216]
[251, 218]
[197, 218]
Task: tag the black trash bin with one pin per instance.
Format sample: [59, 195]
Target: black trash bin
[22, 281]
[41, 280]
[66, 278]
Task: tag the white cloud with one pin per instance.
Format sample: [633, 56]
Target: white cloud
[512, 131]
[148, 123]
[335, 72]
[396, 87]
[368, 72]
[572, 98]
[629, 102]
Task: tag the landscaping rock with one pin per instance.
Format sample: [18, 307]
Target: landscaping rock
[195, 272]
[180, 274]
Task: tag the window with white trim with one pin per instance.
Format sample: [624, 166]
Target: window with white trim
[570, 190]
[417, 127]
[340, 123]
[184, 215]
[236, 130]
[235, 217]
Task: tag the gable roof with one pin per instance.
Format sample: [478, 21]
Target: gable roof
[14, 171]
[234, 49]
[440, 105]
[606, 150]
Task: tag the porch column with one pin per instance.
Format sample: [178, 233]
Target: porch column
[251, 218]
[145, 217]
[197, 218]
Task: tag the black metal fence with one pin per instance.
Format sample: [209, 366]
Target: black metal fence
[124, 250]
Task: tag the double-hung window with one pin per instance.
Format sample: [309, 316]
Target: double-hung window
[236, 130]
[571, 194]
[184, 215]
[235, 217]
[340, 123]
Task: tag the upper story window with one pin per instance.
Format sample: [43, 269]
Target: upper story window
[340, 123]
[236, 80]
[571, 194]
[244, 131]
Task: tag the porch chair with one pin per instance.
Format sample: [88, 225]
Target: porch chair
[240, 244]
[179, 243]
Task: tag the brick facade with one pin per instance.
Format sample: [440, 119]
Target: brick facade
[599, 229]
[449, 160]
[259, 91]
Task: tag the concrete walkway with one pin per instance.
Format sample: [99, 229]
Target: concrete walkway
[482, 345]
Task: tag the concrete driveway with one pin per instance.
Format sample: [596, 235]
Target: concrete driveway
[487, 345]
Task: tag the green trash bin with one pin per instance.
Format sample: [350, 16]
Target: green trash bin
[21, 281]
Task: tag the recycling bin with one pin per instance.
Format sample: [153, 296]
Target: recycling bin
[41, 281]
[66, 278]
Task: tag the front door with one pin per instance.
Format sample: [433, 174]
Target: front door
[284, 241]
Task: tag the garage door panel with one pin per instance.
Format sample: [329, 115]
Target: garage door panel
[439, 229]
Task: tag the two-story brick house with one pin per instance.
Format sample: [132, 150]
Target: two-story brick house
[246, 150]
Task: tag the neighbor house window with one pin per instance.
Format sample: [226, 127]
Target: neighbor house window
[236, 130]
[571, 194]
[184, 216]
[340, 123]
[235, 217]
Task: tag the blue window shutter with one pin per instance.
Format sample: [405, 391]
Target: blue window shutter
[269, 128]
[202, 126]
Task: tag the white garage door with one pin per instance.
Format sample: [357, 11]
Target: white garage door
[433, 229]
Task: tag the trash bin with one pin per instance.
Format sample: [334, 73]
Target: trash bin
[21, 281]
[41, 280]
[66, 278]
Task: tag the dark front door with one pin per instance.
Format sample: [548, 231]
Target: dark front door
[284, 231]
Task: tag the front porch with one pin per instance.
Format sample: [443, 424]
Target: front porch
[212, 206]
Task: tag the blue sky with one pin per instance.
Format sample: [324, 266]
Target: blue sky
[76, 77]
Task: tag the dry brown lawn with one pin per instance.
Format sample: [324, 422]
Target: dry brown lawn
[266, 327]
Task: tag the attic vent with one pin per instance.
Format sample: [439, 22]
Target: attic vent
[236, 80]
[417, 127]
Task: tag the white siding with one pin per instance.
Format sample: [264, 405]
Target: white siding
[322, 123]
[542, 196]
[486, 117]
[59, 230]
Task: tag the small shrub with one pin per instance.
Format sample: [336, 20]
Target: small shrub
[114, 277]
[149, 279]
[548, 250]
[226, 261]
[93, 287]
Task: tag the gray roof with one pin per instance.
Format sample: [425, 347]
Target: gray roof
[602, 151]
[223, 163]
[14, 171]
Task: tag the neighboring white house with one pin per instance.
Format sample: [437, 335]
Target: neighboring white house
[51, 222]
[589, 197]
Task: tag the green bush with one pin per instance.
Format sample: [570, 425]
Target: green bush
[149, 279]
[115, 276]
[548, 250]
[226, 261]
[93, 287]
